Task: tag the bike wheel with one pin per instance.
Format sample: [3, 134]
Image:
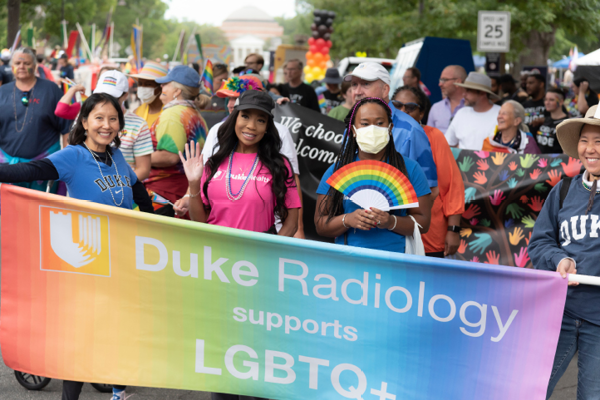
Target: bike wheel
[102, 387]
[31, 382]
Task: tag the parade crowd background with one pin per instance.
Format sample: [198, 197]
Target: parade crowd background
[483, 160]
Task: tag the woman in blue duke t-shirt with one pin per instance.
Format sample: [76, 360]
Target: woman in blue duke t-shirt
[565, 239]
[369, 137]
[91, 168]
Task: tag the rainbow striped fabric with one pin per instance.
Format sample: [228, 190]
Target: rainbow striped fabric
[207, 78]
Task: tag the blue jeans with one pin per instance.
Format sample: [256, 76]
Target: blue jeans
[583, 336]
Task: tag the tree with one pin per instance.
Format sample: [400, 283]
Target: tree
[534, 24]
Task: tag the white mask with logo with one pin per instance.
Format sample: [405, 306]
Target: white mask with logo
[146, 94]
[372, 139]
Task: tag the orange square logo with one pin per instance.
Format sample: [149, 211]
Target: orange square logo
[74, 241]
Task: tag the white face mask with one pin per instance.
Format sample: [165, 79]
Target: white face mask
[372, 139]
[146, 94]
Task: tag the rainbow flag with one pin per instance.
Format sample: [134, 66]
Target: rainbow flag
[322, 103]
[136, 46]
[207, 78]
[16, 42]
[68, 85]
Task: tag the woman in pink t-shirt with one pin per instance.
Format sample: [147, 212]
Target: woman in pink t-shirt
[248, 181]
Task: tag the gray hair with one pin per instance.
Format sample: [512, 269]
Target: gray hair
[519, 112]
[27, 51]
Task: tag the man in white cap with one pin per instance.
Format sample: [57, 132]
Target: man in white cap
[371, 79]
[473, 123]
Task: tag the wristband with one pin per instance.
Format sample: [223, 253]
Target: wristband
[343, 223]
[454, 228]
[194, 195]
[395, 222]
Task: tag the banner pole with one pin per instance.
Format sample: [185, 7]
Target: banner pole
[584, 279]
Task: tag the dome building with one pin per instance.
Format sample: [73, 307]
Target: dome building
[248, 30]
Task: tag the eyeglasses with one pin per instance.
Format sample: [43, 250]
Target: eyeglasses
[409, 107]
[25, 99]
[444, 80]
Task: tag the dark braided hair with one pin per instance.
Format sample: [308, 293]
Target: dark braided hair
[334, 202]
[269, 155]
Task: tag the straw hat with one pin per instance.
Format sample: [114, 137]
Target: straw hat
[150, 71]
[481, 82]
[568, 131]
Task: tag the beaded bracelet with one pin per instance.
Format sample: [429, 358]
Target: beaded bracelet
[395, 222]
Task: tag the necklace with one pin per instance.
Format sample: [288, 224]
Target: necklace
[102, 175]
[15, 107]
[230, 195]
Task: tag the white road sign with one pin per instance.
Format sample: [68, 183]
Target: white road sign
[493, 31]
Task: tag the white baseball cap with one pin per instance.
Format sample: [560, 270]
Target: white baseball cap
[113, 83]
[370, 71]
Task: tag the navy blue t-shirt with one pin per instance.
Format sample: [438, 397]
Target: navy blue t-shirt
[379, 239]
[41, 128]
[67, 72]
[80, 172]
[6, 74]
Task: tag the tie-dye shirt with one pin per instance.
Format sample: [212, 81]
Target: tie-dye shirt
[179, 123]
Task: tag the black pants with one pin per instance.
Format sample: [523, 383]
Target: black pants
[222, 396]
[437, 254]
[71, 390]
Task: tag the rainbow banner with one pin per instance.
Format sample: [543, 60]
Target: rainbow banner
[100, 294]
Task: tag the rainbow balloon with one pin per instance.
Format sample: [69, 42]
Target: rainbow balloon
[374, 184]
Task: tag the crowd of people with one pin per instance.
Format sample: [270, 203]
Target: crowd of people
[243, 172]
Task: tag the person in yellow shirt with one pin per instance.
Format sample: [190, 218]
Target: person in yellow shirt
[149, 91]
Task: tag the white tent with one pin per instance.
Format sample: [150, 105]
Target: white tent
[592, 58]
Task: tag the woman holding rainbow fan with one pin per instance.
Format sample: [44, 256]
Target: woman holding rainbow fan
[369, 137]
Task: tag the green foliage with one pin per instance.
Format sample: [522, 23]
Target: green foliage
[160, 35]
[394, 22]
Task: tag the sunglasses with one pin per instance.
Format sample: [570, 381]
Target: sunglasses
[25, 99]
[409, 107]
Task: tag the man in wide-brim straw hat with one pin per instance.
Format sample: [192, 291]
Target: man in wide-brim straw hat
[565, 239]
[475, 122]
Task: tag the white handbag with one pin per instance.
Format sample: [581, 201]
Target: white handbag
[414, 243]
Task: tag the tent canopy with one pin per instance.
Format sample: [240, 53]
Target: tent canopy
[592, 58]
[564, 63]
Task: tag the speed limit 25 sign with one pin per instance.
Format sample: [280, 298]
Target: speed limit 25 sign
[493, 31]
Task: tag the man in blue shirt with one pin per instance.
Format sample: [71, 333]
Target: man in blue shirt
[371, 79]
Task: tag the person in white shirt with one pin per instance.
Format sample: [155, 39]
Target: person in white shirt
[473, 123]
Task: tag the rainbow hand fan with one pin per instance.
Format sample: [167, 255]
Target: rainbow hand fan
[374, 184]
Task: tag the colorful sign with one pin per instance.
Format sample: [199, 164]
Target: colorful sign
[504, 193]
[100, 294]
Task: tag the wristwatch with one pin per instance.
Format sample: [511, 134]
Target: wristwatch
[454, 228]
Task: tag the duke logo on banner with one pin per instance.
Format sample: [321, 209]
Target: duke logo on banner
[75, 242]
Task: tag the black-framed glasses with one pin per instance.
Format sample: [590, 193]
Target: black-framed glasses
[408, 107]
[25, 99]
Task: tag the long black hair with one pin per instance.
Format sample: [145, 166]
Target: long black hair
[78, 133]
[269, 154]
[334, 202]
